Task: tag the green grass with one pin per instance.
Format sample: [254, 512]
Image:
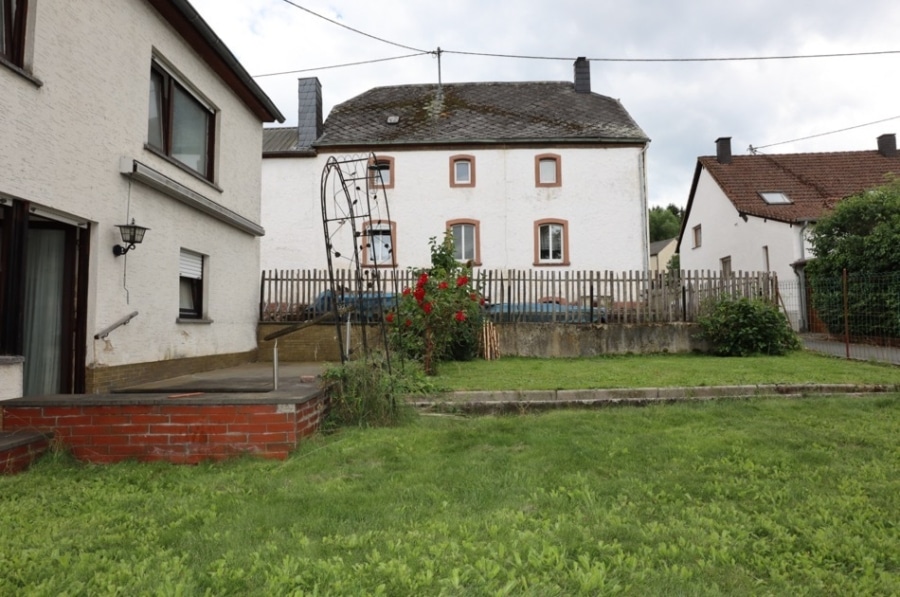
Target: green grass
[756, 497]
[650, 371]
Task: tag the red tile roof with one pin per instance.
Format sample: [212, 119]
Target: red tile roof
[813, 182]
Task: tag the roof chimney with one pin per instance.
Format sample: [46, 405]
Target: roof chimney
[582, 75]
[887, 145]
[723, 150]
[309, 117]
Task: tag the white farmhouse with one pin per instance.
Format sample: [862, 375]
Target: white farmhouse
[83, 152]
[752, 212]
[525, 175]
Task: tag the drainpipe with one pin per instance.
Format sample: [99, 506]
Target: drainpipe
[645, 250]
[801, 279]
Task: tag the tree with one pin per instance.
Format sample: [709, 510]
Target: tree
[861, 235]
[665, 222]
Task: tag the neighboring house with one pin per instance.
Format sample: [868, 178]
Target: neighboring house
[525, 175]
[84, 151]
[661, 252]
[752, 212]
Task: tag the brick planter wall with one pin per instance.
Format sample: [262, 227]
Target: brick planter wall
[19, 449]
[169, 429]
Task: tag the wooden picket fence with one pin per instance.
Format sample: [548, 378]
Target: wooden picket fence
[531, 295]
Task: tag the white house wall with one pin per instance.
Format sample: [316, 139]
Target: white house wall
[726, 234]
[601, 197]
[68, 136]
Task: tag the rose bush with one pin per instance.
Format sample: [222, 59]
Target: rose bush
[440, 317]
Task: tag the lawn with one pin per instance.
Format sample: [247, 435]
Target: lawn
[664, 370]
[762, 496]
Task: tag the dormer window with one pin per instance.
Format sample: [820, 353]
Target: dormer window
[775, 198]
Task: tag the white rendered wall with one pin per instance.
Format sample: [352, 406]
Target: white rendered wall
[601, 197]
[93, 60]
[725, 233]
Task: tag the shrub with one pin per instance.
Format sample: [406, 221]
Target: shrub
[370, 394]
[440, 318]
[743, 327]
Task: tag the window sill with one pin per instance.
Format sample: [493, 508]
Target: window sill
[560, 264]
[192, 320]
[21, 72]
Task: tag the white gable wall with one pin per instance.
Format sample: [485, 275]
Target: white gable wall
[725, 233]
[601, 197]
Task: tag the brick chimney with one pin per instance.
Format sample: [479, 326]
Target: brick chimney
[309, 117]
[723, 150]
[582, 75]
[887, 145]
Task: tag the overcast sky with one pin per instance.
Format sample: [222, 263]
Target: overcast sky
[683, 107]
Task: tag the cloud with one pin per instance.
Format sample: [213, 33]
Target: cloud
[683, 107]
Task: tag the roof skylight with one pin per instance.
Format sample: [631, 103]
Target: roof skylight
[775, 198]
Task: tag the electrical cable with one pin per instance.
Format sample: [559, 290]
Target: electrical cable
[721, 59]
[753, 149]
[305, 70]
[333, 22]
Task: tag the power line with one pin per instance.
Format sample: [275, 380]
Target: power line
[720, 59]
[333, 22]
[306, 70]
[752, 149]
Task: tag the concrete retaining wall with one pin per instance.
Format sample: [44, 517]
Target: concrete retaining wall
[319, 343]
[548, 340]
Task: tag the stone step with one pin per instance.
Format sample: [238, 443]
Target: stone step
[19, 448]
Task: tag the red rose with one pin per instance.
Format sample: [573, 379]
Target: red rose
[390, 318]
[427, 307]
[473, 296]
[442, 286]
[419, 294]
[460, 316]
[482, 302]
[407, 291]
[408, 323]
[423, 279]
[462, 281]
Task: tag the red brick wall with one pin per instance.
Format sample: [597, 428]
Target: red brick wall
[20, 458]
[180, 433]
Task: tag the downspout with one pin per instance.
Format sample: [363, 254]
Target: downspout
[801, 279]
[645, 224]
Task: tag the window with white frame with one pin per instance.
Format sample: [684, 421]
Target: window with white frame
[547, 170]
[12, 30]
[379, 246]
[180, 125]
[466, 244]
[190, 285]
[462, 171]
[551, 242]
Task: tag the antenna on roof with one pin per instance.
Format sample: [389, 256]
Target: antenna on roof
[438, 54]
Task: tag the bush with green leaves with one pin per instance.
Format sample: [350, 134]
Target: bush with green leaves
[367, 392]
[743, 327]
[861, 236]
[439, 318]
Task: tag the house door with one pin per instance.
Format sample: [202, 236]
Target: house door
[44, 299]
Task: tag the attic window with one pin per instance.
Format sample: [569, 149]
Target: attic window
[775, 198]
[393, 119]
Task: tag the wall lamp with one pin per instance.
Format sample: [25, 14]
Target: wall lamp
[132, 234]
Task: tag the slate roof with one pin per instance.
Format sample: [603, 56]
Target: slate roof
[813, 182]
[479, 112]
[466, 113]
[281, 139]
[657, 246]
